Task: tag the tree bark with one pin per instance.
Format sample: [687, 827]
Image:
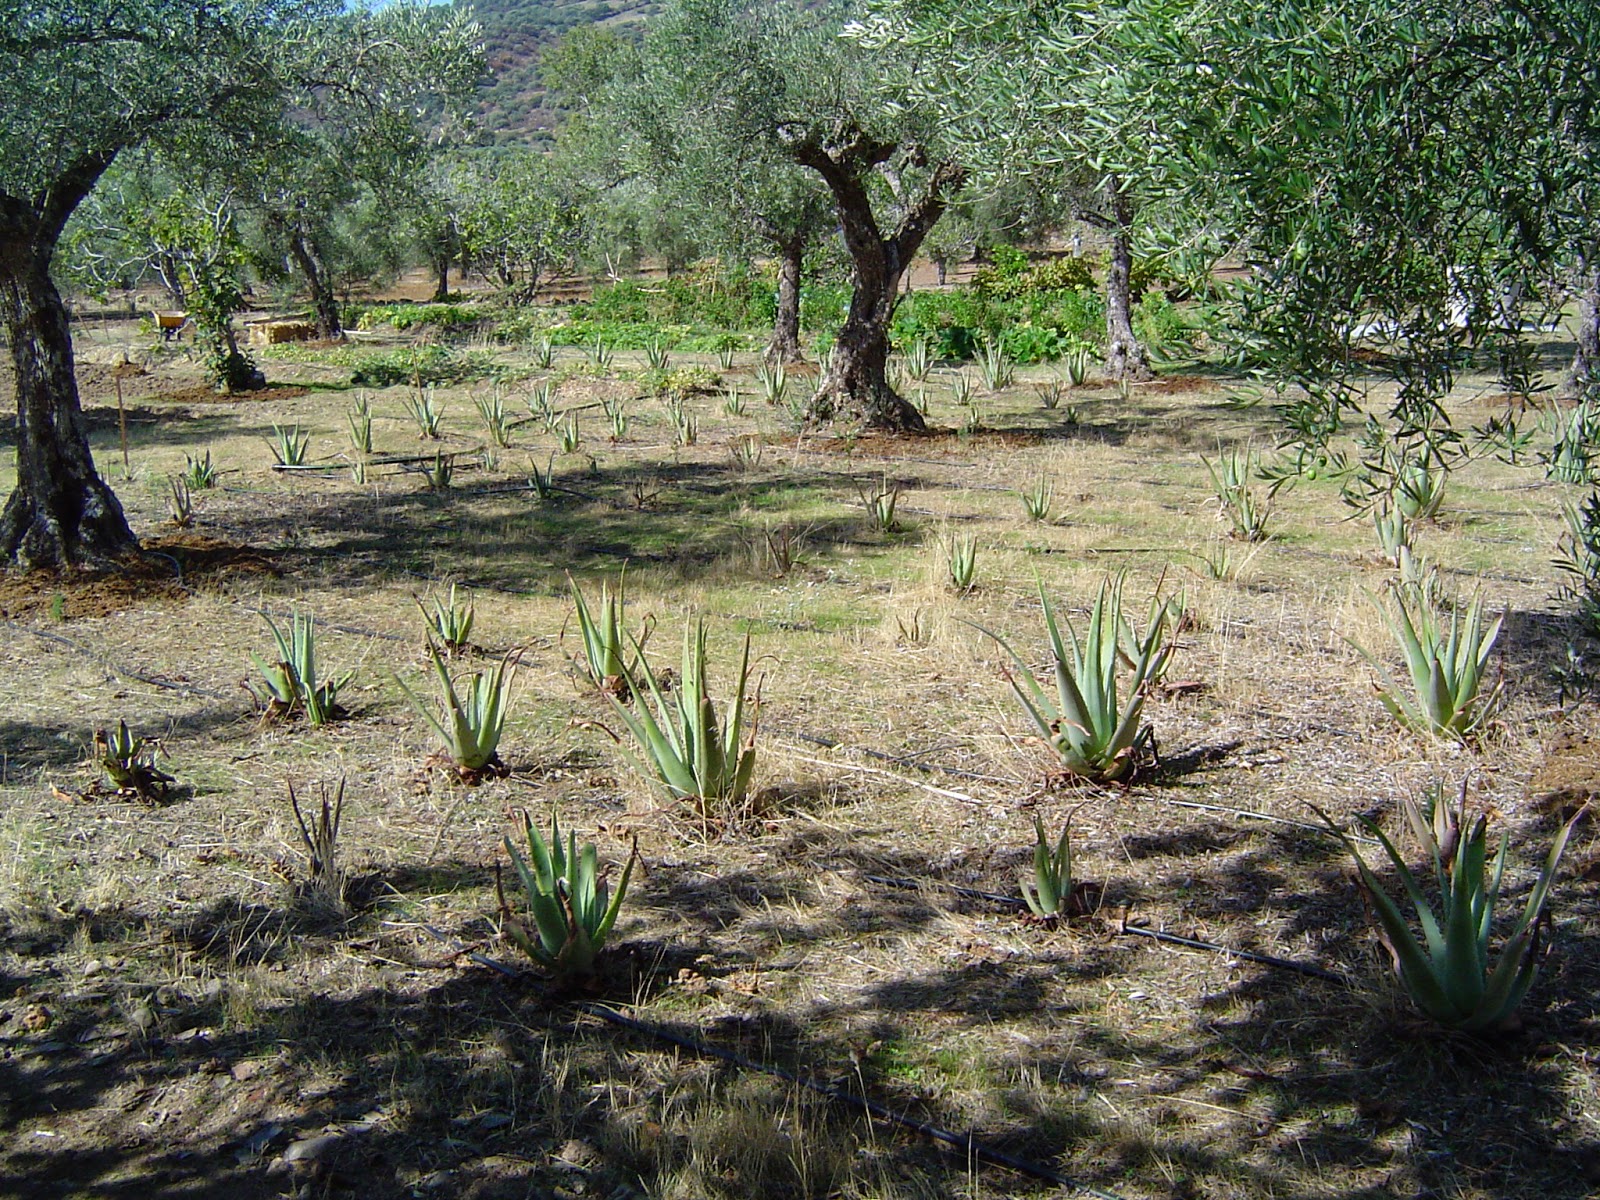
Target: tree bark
[60, 512]
[324, 304]
[856, 385]
[1125, 357]
[1586, 359]
[441, 267]
[785, 344]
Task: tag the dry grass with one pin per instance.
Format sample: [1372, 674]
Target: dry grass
[176, 1016]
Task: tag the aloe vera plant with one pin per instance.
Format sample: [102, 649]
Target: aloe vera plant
[774, 381]
[961, 562]
[129, 762]
[492, 412]
[1093, 724]
[1419, 489]
[1036, 500]
[571, 907]
[290, 683]
[289, 445]
[880, 503]
[476, 717]
[1050, 892]
[1075, 366]
[606, 661]
[428, 414]
[1447, 660]
[449, 620]
[997, 369]
[199, 474]
[691, 754]
[919, 359]
[1246, 509]
[1449, 972]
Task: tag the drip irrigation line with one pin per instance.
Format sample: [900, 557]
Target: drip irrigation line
[1171, 939]
[115, 668]
[967, 1143]
[1270, 960]
[355, 630]
[897, 759]
[1251, 814]
[912, 885]
[927, 787]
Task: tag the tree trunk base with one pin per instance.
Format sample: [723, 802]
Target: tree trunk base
[95, 534]
[1127, 361]
[885, 411]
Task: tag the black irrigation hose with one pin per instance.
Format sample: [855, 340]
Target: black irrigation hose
[967, 1143]
[1285, 964]
[898, 760]
[1171, 939]
[115, 668]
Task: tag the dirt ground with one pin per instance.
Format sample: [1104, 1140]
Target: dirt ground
[181, 1015]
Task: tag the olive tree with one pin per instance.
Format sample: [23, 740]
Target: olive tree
[648, 117]
[82, 82]
[783, 87]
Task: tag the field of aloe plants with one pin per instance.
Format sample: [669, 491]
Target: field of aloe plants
[541, 766]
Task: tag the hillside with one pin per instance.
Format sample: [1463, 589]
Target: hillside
[514, 105]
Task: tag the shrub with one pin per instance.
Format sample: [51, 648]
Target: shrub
[420, 365]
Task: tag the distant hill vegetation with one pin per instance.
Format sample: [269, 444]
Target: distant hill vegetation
[513, 104]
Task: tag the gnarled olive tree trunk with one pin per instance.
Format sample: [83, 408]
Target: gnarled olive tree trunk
[60, 512]
[324, 304]
[1125, 357]
[856, 386]
[784, 346]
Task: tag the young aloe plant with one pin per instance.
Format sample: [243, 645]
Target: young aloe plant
[492, 412]
[476, 718]
[997, 369]
[449, 620]
[290, 683]
[428, 415]
[1036, 500]
[1448, 972]
[880, 503]
[199, 474]
[129, 762]
[1447, 664]
[961, 562]
[567, 898]
[1075, 367]
[1050, 893]
[1393, 529]
[1419, 489]
[289, 445]
[605, 660]
[692, 755]
[774, 381]
[1246, 509]
[1089, 725]
[919, 359]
